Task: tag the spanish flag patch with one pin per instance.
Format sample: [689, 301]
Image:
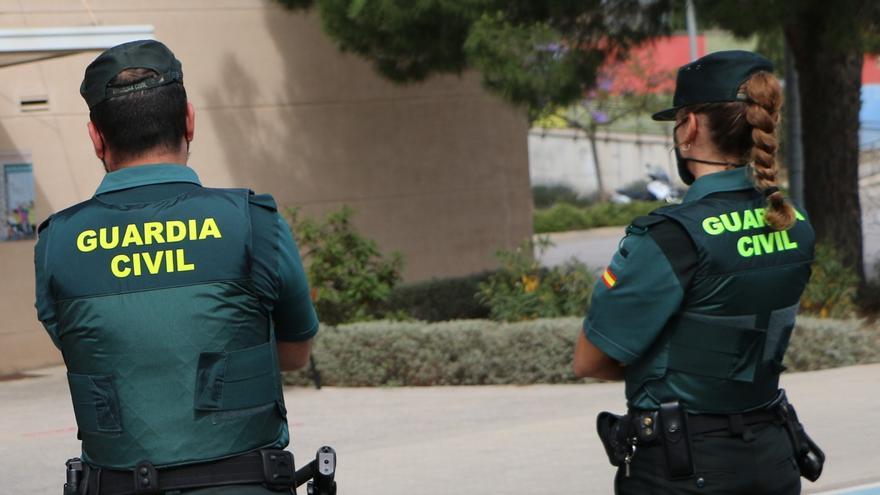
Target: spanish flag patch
[609, 278]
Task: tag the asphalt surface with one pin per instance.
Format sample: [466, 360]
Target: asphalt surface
[439, 440]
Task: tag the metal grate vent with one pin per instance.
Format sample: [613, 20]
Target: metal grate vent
[34, 103]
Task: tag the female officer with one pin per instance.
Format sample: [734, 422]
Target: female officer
[697, 306]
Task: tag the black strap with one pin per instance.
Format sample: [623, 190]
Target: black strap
[273, 467]
[713, 162]
[678, 247]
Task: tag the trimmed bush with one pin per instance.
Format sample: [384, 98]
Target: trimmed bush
[480, 352]
[563, 217]
[441, 299]
[468, 352]
[822, 343]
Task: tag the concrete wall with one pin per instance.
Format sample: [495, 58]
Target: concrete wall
[565, 156]
[437, 170]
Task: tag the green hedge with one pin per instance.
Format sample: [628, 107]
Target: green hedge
[466, 352]
[824, 343]
[563, 217]
[481, 352]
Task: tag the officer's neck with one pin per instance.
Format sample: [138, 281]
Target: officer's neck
[709, 152]
[164, 156]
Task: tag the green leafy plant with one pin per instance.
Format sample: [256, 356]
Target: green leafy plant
[350, 278]
[523, 290]
[833, 286]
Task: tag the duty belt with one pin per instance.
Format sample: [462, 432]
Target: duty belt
[645, 423]
[672, 427]
[273, 468]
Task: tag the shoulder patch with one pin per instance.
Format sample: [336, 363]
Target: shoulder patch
[264, 200]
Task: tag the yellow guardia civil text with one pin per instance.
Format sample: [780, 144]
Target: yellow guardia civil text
[150, 261]
[750, 244]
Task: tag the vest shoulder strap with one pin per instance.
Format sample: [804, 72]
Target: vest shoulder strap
[44, 224]
[674, 241]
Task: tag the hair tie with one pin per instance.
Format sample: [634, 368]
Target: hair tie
[770, 191]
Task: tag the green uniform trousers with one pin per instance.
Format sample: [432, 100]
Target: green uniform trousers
[761, 464]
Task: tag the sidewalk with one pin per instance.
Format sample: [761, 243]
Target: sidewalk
[493, 440]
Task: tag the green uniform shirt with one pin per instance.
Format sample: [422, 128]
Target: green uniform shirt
[277, 270]
[640, 290]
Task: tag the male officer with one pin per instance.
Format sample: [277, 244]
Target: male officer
[173, 304]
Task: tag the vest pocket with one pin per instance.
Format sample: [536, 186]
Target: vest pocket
[95, 403]
[718, 351]
[236, 380]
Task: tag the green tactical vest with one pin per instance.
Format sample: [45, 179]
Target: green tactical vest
[170, 355]
[722, 352]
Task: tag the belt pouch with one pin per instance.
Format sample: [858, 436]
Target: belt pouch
[676, 441]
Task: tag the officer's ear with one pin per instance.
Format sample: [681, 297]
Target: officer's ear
[190, 122]
[97, 141]
[689, 129]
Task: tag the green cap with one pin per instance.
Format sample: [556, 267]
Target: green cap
[714, 78]
[142, 54]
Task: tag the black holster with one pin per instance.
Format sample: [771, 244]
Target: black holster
[809, 457]
[75, 476]
[614, 432]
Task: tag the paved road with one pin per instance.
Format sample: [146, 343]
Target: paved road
[594, 247]
[488, 440]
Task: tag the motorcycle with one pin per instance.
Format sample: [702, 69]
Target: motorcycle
[658, 187]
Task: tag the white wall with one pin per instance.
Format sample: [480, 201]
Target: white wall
[563, 156]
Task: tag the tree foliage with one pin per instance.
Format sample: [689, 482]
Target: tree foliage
[534, 54]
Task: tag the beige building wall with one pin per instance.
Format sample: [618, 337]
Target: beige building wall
[437, 171]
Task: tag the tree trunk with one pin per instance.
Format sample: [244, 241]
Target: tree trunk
[829, 80]
[591, 135]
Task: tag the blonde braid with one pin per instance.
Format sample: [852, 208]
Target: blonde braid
[765, 100]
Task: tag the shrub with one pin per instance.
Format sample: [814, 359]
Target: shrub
[522, 289]
[832, 290]
[441, 299]
[481, 352]
[547, 195]
[350, 278]
[822, 343]
[563, 217]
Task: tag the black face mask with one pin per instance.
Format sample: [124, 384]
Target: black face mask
[683, 171]
[682, 161]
